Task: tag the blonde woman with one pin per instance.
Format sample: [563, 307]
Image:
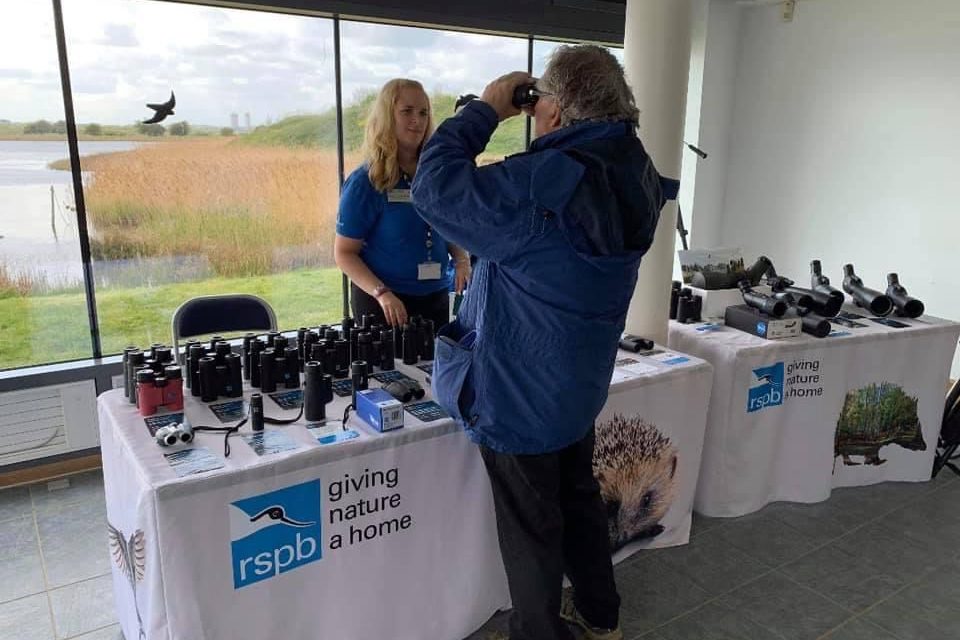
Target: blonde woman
[397, 263]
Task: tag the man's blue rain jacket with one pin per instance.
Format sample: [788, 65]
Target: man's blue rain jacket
[559, 232]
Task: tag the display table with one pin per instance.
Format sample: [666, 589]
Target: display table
[791, 419]
[383, 535]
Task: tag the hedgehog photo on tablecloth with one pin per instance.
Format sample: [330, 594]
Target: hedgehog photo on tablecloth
[636, 467]
[876, 416]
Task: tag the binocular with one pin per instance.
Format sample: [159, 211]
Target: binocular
[213, 372]
[684, 306]
[405, 390]
[317, 391]
[152, 380]
[524, 95]
[171, 434]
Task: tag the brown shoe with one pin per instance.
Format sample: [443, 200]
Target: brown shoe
[568, 611]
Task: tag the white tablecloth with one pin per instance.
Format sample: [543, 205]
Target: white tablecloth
[791, 419]
[387, 535]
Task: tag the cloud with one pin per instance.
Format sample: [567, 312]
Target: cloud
[221, 60]
[119, 35]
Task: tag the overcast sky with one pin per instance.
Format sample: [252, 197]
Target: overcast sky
[124, 53]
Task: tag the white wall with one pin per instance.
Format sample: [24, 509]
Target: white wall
[844, 143]
[714, 123]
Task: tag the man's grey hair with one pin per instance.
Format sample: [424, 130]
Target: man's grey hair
[588, 84]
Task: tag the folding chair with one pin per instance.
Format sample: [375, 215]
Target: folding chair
[215, 314]
[949, 439]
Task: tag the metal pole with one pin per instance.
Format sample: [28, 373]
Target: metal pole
[77, 181]
[340, 151]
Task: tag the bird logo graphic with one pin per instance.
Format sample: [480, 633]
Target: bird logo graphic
[162, 110]
[130, 556]
[246, 523]
[766, 378]
[277, 513]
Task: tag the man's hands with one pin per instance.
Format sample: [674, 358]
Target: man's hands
[499, 93]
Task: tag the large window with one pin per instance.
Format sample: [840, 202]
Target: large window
[43, 316]
[542, 49]
[447, 63]
[236, 191]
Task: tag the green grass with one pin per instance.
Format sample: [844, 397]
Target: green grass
[54, 328]
[320, 130]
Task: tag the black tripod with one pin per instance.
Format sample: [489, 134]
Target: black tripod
[682, 230]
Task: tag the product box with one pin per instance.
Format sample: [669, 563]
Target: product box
[751, 321]
[379, 409]
[716, 301]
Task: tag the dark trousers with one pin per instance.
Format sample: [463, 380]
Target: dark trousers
[551, 521]
[435, 306]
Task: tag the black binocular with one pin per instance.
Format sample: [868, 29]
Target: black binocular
[405, 390]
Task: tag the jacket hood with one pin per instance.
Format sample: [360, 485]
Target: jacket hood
[615, 207]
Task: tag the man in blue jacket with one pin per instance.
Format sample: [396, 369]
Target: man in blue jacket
[558, 232]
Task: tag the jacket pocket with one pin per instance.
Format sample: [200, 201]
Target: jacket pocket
[452, 383]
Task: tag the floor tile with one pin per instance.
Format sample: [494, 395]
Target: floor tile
[820, 523]
[107, 633]
[859, 629]
[702, 524]
[929, 608]
[711, 563]
[844, 577]
[26, 619]
[929, 523]
[74, 543]
[714, 622]
[776, 603]
[766, 539]
[15, 503]
[83, 607]
[84, 487]
[886, 551]
[652, 593]
[856, 506]
[21, 573]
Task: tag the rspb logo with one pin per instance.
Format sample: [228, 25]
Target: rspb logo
[766, 389]
[275, 532]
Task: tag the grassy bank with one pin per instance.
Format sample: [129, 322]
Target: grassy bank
[42, 329]
[250, 210]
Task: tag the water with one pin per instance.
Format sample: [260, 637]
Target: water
[38, 233]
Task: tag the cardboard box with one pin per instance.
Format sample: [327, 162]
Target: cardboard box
[379, 409]
[755, 323]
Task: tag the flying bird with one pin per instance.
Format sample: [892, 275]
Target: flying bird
[162, 110]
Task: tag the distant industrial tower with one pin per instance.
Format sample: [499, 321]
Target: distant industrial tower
[235, 121]
[246, 120]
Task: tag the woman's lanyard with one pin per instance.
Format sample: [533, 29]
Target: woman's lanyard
[429, 243]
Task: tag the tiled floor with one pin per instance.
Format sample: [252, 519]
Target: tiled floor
[876, 562]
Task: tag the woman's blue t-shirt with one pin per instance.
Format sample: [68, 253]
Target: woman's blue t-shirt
[394, 236]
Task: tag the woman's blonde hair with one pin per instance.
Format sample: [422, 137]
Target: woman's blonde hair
[380, 138]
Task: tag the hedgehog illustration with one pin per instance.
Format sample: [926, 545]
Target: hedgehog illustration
[636, 467]
[875, 416]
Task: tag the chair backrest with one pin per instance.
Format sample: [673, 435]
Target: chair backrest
[221, 313]
[950, 428]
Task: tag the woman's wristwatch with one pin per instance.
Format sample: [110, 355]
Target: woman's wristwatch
[379, 290]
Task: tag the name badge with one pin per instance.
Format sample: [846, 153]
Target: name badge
[398, 195]
[428, 271]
